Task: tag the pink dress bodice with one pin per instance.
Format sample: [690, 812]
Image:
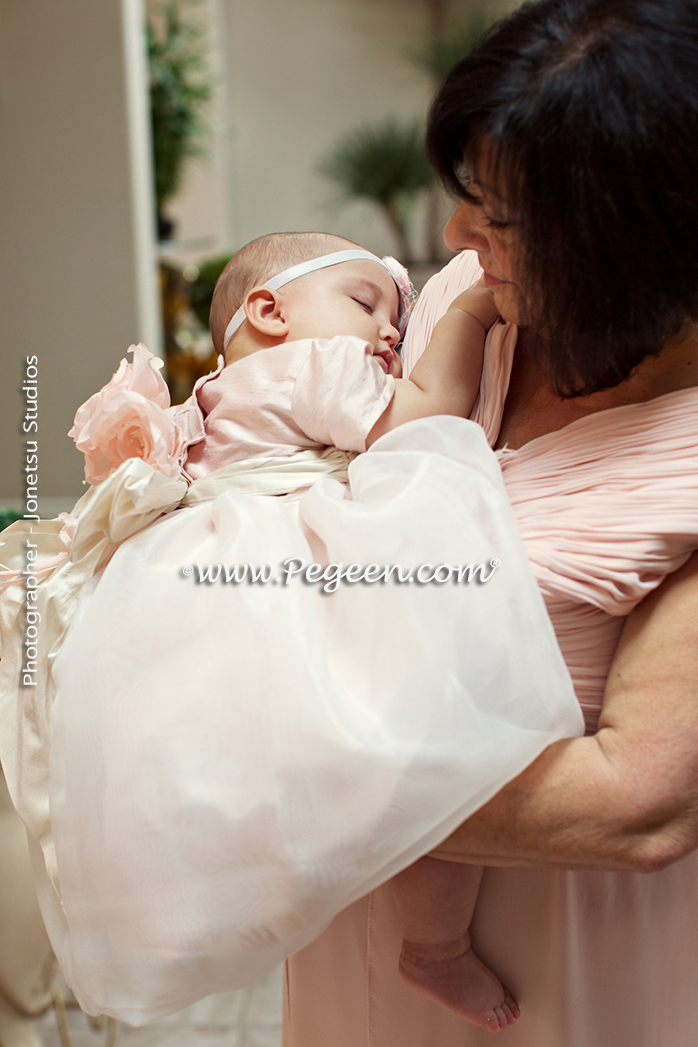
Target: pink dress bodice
[293, 397]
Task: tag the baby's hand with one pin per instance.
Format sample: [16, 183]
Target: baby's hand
[478, 302]
[446, 378]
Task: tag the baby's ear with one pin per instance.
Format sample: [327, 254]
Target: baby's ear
[264, 310]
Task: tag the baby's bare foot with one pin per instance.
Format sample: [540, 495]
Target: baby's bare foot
[452, 975]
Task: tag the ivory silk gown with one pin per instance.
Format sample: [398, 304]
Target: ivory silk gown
[211, 772]
[608, 506]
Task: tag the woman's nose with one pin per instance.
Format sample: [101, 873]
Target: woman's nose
[465, 231]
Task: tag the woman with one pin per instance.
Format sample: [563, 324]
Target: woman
[571, 138]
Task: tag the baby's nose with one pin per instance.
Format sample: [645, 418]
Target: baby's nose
[391, 335]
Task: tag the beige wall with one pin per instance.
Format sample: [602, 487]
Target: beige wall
[77, 281]
[317, 69]
[293, 76]
[77, 258]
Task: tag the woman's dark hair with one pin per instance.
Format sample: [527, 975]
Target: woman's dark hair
[589, 109]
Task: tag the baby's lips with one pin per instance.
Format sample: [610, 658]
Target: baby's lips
[384, 357]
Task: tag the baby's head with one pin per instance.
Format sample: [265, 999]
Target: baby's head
[357, 296]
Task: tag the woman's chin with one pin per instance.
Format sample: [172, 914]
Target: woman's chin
[508, 303]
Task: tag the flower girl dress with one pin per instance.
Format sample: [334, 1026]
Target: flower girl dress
[210, 770]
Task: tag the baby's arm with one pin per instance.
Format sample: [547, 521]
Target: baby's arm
[446, 378]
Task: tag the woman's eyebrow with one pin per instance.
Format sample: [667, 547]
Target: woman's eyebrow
[485, 188]
[489, 198]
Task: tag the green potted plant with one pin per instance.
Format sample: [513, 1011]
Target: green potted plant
[386, 164]
[180, 87]
[202, 286]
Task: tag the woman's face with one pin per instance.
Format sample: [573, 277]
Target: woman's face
[481, 223]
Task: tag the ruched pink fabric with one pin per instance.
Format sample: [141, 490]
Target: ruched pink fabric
[608, 507]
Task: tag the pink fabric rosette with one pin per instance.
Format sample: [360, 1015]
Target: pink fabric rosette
[408, 294]
[130, 417]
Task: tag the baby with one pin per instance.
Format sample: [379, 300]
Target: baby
[339, 314]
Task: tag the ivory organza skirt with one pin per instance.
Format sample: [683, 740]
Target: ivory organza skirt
[233, 764]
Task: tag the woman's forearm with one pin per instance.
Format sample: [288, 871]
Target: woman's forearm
[564, 810]
[626, 798]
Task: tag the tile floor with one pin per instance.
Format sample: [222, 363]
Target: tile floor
[248, 1018]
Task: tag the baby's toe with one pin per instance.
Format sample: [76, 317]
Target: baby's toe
[508, 1014]
[504, 1015]
[511, 1004]
[492, 1021]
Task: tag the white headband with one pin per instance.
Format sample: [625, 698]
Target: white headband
[323, 262]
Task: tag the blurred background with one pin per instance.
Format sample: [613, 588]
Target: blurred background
[143, 141]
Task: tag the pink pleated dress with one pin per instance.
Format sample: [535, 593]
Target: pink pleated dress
[608, 507]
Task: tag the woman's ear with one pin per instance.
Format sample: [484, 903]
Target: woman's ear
[265, 312]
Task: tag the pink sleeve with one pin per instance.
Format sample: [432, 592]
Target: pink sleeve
[460, 273]
[340, 393]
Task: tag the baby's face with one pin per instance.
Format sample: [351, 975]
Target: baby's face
[354, 298]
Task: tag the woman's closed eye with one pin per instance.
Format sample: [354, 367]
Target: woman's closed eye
[474, 197]
[495, 223]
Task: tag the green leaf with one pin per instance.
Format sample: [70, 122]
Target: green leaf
[180, 87]
[201, 289]
[7, 517]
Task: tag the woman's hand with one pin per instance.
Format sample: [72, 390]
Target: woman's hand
[627, 797]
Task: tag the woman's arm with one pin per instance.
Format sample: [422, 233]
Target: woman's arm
[627, 797]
